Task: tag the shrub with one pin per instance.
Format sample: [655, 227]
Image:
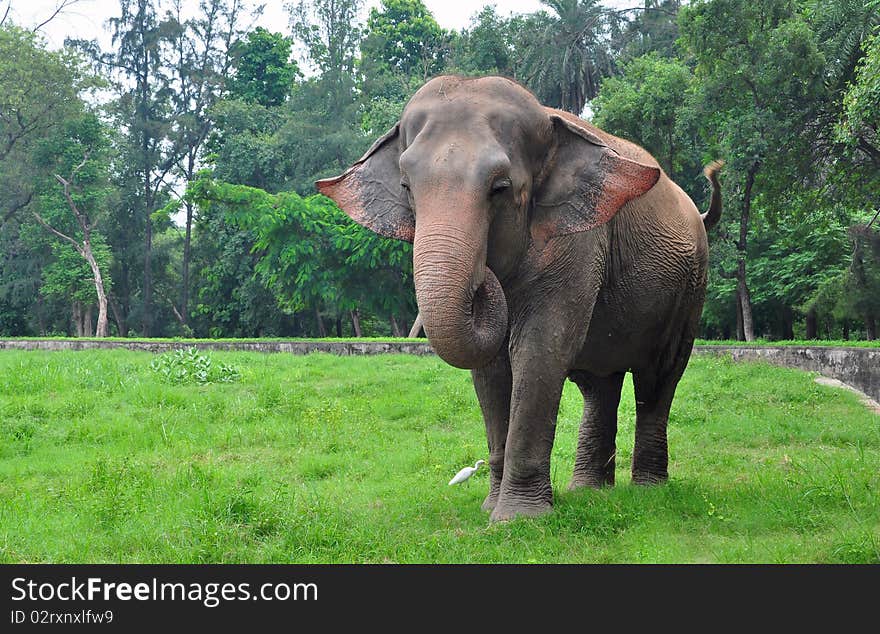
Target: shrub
[188, 366]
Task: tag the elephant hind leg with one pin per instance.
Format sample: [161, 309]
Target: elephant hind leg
[654, 391]
[595, 461]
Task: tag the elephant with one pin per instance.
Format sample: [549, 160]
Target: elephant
[544, 249]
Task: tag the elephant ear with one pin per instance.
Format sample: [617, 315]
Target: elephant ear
[584, 183]
[370, 191]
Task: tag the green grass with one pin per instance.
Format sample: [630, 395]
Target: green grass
[332, 459]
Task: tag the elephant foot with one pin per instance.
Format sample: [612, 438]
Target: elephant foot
[592, 481]
[595, 476]
[529, 501]
[507, 511]
[648, 478]
[495, 477]
[490, 502]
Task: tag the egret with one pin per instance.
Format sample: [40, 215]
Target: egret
[466, 473]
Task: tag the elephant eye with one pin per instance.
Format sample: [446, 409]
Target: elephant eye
[405, 185]
[501, 185]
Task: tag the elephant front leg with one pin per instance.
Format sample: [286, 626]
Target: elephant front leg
[525, 485]
[492, 384]
[594, 464]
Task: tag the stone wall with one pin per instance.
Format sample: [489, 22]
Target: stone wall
[291, 347]
[858, 367]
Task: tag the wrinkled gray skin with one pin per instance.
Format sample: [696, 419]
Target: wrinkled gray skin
[544, 249]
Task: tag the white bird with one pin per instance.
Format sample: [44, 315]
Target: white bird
[466, 473]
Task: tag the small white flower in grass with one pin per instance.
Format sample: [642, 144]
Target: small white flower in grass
[466, 473]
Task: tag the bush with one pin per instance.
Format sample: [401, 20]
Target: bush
[188, 366]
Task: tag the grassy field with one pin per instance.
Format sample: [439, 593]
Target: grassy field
[331, 459]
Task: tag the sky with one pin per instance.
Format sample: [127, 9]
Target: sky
[86, 19]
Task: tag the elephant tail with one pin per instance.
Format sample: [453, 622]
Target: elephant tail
[711, 217]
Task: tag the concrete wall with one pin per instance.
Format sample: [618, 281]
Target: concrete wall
[292, 347]
[858, 367]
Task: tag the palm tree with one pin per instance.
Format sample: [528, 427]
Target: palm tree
[569, 55]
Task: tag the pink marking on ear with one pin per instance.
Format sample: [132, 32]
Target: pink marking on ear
[344, 192]
[624, 180]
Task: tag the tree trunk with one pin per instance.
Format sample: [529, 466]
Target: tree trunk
[322, 332]
[187, 241]
[77, 319]
[787, 323]
[356, 322]
[740, 335]
[147, 322]
[743, 294]
[119, 318]
[812, 327]
[101, 330]
[416, 328]
[87, 322]
[41, 320]
[846, 329]
[870, 327]
[338, 325]
[395, 328]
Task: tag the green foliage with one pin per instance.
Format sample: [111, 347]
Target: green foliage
[566, 69]
[486, 46]
[649, 103]
[187, 366]
[654, 29]
[783, 90]
[67, 276]
[264, 71]
[310, 252]
[39, 91]
[861, 103]
[404, 37]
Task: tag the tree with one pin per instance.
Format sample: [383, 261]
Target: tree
[758, 66]
[314, 257]
[650, 103]
[565, 65]
[139, 65]
[84, 191]
[322, 127]
[402, 47]
[264, 72]
[202, 49]
[859, 126]
[486, 46]
[653, 28]
[39, 89]
[330, 31]
[404, 37]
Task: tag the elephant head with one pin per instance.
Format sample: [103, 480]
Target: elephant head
[476, 173]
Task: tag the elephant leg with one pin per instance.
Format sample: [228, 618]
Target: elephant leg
[654, 391]
[525, 484]
[493, 385]
[594, 463]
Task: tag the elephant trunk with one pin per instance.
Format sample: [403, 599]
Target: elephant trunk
[460, 300]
